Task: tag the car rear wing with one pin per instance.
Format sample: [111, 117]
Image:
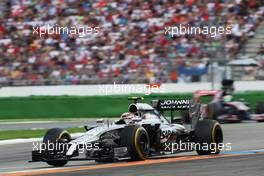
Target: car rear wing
[171, 105]
[189, 105]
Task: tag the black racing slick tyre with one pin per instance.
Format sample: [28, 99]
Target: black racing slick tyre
[214, 109]
[208, 137]
[53, 137]
[136, 139]
[260, 107]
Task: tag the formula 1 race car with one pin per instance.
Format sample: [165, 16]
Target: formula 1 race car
[223, 108]
[140, 133]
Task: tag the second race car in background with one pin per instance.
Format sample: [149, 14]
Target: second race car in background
[221, 106]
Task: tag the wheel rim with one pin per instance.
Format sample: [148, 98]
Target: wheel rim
[218, 135]
[143, 143]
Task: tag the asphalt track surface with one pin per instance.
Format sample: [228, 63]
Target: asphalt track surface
[242, 160]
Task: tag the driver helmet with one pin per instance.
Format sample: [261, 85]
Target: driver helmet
[127, 116]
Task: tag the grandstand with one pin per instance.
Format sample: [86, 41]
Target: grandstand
[131, 47]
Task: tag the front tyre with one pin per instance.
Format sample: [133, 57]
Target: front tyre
[136, 139]
[54, 137]
[208, 137]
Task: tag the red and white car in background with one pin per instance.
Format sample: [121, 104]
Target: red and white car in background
[223, 108]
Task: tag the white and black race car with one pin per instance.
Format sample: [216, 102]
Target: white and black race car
[140, 133]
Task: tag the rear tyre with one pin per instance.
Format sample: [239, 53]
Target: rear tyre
[53, 137]
[214, 110]
[260, 107]
[208, 134]
[136, 139]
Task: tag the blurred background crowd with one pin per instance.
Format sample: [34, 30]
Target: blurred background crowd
[131, 47]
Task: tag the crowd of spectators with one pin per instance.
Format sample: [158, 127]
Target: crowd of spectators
[131, 46]
[261, 50]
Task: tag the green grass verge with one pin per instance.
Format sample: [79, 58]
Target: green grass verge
[87, 106]
[24, 134]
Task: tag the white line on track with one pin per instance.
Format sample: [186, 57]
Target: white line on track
[19, 141]
[28, 122]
